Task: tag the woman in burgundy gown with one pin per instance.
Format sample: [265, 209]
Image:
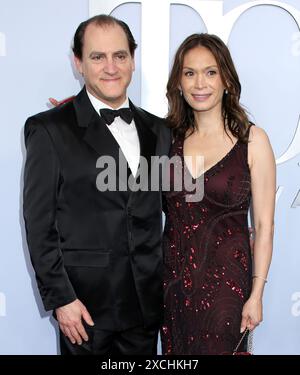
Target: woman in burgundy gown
[212, 291]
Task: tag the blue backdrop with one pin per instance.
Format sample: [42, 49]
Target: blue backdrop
[36, 62]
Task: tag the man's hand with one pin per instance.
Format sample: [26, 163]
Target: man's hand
[70, 321]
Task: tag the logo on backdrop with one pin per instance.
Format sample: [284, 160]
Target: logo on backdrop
[212, 14]
[2, 45]
[296, 305]
[296, 202]
[296, 44]
[2, 304]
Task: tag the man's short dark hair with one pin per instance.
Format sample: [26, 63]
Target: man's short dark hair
[101, 20]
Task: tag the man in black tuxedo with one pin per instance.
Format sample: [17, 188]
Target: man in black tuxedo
[96, 254]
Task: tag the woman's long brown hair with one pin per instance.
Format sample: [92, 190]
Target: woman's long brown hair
[180, 115]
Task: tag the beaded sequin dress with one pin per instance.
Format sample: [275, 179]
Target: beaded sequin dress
[207, 259]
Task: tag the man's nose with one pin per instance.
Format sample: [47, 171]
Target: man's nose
[110, 66]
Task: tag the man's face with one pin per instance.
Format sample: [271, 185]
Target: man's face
[106, 64]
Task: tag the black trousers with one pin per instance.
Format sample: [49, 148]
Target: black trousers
[134, 341]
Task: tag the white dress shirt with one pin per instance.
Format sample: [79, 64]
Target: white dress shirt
[125, 134]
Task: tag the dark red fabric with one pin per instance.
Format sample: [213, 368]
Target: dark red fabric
[207, 259]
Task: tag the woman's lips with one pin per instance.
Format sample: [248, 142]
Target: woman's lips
[201, 98]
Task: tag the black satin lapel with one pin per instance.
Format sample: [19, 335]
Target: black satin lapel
[96, 134]
[148, 141]
[99, 137]
[146, 137]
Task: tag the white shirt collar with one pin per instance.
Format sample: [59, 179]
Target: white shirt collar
[98, 104]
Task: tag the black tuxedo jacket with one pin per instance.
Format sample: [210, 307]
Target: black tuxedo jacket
[103, 248]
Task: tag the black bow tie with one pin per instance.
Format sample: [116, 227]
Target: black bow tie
[109, 115]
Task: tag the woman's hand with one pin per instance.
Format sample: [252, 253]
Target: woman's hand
[251, 314]
[251, 239]
[57, 103]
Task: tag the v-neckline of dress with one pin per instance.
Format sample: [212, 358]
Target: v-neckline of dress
[207, 171]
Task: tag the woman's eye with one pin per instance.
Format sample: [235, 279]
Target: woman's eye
[188, 74]
[211, 72]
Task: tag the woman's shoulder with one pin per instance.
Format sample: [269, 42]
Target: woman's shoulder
[260, 149]
[257, 135]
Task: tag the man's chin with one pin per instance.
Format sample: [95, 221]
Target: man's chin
[114, 100]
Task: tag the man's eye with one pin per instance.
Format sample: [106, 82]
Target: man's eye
[121, 57]
[97, 57]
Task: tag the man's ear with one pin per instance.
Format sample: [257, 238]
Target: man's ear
[133, 63]
[78, 64]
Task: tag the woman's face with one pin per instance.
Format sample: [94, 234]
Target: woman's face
[201, 82]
